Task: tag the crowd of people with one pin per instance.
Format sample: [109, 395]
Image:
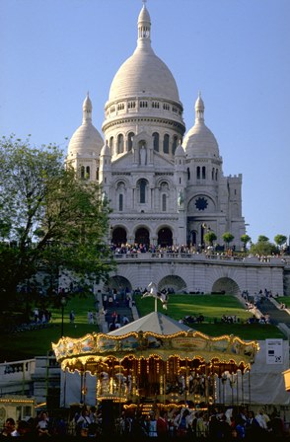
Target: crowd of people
[40, 426]
[166, 423]
[191, 249]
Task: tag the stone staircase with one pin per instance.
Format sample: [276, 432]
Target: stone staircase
[120, 307]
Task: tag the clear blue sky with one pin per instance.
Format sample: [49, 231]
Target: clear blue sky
[236, 52]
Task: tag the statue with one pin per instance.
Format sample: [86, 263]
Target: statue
[143, 155]
[180, 199]
[152, 291]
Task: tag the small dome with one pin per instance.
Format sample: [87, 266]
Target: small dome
[86, 140]
[199, 104]
[87, 105]
[144, 16]
[179, 151]
[105, 151]
[199, 140]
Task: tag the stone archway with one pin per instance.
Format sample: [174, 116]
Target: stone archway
[119, 236]
[142, 236]
[225, 285]
[118, 282]
[173, 283]
[164, 237]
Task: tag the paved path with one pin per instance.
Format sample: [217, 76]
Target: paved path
[277, 315]
[120, 307]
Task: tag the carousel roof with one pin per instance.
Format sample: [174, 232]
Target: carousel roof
[154, 335]
[154, 351]
[153, 322]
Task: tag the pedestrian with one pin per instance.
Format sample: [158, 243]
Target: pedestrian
[90, 317]
[125, 320]
[9, 428]
[72, 317]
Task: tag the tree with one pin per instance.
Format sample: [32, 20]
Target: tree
[210, 237]
[50, 222]
[245, 239]
[263, 248]
[263, 238]
[280, 240]
[228, 238]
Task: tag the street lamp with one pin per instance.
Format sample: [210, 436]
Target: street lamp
[62, 303]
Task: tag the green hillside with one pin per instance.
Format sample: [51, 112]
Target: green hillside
[26, 344]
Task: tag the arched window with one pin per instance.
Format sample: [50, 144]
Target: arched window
[130, 141]
[121, 202]
[88, 172]
[165, 237]
[120, 145]
[142, 190]
[212, 174]
[119, 236]
[97, 174]
[216, 174]
[198, 172]
[174, 144]
[111, 143]
[120, 190]
[188, 173]
[166, 143]
[203, 173]
[82, 172]
[164, 203]
[156, 141]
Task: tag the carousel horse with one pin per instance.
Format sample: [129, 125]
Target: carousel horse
[152, 291]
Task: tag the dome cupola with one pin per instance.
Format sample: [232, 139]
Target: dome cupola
[199, 140]
[86, 140]
[143, 84]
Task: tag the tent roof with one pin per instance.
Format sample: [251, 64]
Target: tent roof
[154, 322]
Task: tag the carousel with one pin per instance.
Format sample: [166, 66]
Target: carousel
[156, 359]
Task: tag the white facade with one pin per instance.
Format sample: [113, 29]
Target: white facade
[166, 187]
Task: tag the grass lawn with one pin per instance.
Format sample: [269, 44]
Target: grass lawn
[212, 307]
[28, 344]
[283, 300]
[37, 342]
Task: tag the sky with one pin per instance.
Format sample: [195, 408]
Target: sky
[235, 52]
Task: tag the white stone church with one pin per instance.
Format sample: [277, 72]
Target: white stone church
[166, 186]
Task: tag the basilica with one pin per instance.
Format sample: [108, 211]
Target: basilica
[164, 182]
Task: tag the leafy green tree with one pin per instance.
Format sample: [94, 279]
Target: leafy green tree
[263, 248]
[245, 239]
[280, 240]
[228, 238]
[50, 224]
[263, 238]
[210, 237]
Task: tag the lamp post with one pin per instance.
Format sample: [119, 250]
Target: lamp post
[62, 303]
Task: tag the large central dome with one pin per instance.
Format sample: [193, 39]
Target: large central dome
[144, 73]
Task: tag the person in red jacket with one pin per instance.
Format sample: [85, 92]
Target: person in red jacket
[162, 425]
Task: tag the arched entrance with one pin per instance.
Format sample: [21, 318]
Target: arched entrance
[142, 236]
[172, 283]
[117, 282]
[119, 236]
[193, 238]
[226, 285]
[164, 237]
